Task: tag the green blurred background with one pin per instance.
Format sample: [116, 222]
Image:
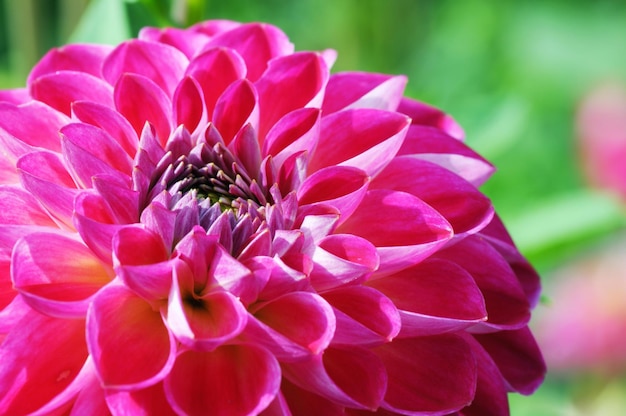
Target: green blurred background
[512, 73]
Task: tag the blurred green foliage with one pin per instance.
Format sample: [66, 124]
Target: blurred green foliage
[512, 73]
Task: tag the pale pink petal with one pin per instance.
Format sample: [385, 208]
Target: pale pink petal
[60, 89]
[435, 296]
[130, 345]
[56, 275]
[230, 381]
[56, 366]
[155, 105]
[363, 90]
[428, 375]
[158, 62]
[290, 82]
[411, 231]
[15, 96]
[353, 377]
[380, 135]
[364, 316]
[257, 43]
[518, 357]
[340, 259]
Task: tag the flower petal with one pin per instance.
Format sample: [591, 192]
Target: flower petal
[155, 105]
[295, 132]
[56, 275]
[364, 316]
[339, 259]
[230, 381]
[130, 345]
[188, 104]
[161, 63]
[428, 375]
[464, 206]
[83, 58]
[34, 123]
[410, 232]
[19, 207]
[60, 89]
[425, 115]
[257, 43]
[56, 366]
[380, 135]
[363, 90]
[518, 357]
[434, 296]
[505, 299]
[290, 82]
[144, 402]
[354, 377]
[236, 107]
[301, 318]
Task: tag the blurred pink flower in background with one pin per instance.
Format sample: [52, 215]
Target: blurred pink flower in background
[584, 329]
[601, 124]
[202, 221]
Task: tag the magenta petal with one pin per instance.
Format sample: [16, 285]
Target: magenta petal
[256, 43]
[100, 144]
[339, 259]
[507, 305]
[303, 318]
[20, 207]
[108, 120]
[426, 115]
[83, 58]
[428, 375]
[15, 96]
[144, 402]
[155, 105]
[296, 132]
[463, 205]
[129, 343]
[55, 366]
[434, 296]
[60, 89]
[304, 403]
[411, 231]
[230, 381]
[380, 135]
[123, 203]
[188, 104]
[161, 63]
[94, 224]
[33, 123]
[44, 175]
[518, 357]
[364, 316]
[342, 187]
[363, 90]
[290, 82]
[202, 322]
[219, 68]
[353, 377]
[56, 275]
[235, 107]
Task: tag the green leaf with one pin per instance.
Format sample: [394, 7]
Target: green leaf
[104, 22]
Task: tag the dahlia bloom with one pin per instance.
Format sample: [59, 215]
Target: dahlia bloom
[204, 221]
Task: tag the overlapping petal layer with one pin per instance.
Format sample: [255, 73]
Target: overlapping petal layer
[202, 221]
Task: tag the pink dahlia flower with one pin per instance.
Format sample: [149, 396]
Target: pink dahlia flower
[204, 221]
